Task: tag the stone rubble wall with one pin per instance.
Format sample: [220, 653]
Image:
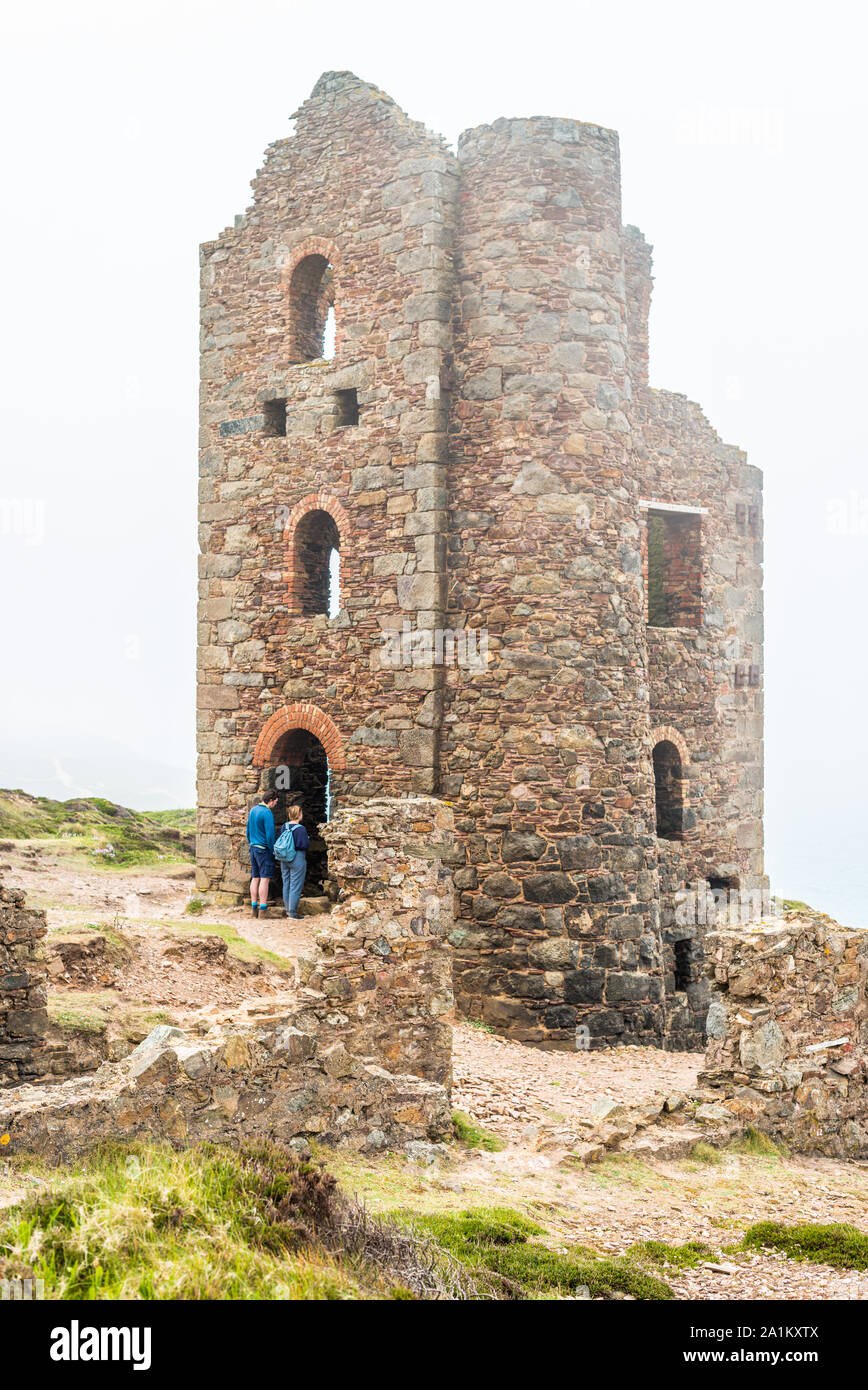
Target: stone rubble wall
[788, 1031]
[364, 1059]
[23, 1016]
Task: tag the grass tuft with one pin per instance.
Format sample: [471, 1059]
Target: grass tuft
[759, 1145]
[657, 1252]
[705, 1153]
[840, 1245]
[494, 1243]
[472, 1136]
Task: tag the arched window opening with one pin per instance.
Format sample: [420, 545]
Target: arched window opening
[300, 771]
[317, 564]
[669, 791]
[311, 310]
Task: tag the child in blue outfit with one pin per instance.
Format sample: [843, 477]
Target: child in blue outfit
[260, 838]
[295, 872]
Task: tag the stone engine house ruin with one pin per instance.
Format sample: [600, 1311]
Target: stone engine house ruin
[454, 544]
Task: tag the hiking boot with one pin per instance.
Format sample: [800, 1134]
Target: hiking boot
[254, 908]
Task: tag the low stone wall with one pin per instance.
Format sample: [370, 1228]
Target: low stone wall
[383, 956]
[788, 1031]
[23, 1017]
[363, 1058]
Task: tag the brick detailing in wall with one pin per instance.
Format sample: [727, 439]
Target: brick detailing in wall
[492, 343]
[23, 1017]
[788, 1032]
[299, 716]
[363, 1060]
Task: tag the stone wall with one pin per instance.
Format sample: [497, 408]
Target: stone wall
[23, 1017]
[788, 1031]
[362, 1059]
[383, 958]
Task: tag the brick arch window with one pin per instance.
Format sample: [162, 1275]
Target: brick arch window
[312, 294]
[669, 790]
[316, 533]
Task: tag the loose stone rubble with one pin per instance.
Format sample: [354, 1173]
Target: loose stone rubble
[788, 1029]
[377, 991]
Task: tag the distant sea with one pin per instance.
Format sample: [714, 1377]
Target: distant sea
[830, 875]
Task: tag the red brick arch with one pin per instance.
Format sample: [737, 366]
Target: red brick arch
[665, 733]
[301, 715]
[315, 502]
[313, 246]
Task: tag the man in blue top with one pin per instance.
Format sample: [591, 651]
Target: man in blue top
[295, 872]
[260, 837]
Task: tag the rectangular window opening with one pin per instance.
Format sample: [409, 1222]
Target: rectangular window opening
[274, 415]
[348, 407]
[674, 569]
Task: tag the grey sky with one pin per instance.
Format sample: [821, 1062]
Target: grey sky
[131, 134]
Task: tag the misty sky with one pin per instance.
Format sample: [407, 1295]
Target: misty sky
[131, 133]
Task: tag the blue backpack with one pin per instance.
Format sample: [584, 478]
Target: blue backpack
[284, 845]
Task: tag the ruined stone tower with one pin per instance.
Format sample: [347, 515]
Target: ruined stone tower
[547, 608]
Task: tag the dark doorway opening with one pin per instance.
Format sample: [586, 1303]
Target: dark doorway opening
[300, 772]
[682, 964]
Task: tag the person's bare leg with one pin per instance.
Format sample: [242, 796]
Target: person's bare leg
[263, 890]
[254, 890]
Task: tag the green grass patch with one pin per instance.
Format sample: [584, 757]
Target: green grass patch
[757, 1144]
[209, 1223]
[195, 907]
[705, 1153]
[237, 945]
[472, 1136]
[81, 1012]
[495, 1243]
[657, 1252]
[841, 1245]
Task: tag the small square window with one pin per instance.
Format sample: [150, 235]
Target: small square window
[274, 415]
[348, 407]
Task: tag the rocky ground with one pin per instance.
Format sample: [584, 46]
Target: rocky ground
[196, 969]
